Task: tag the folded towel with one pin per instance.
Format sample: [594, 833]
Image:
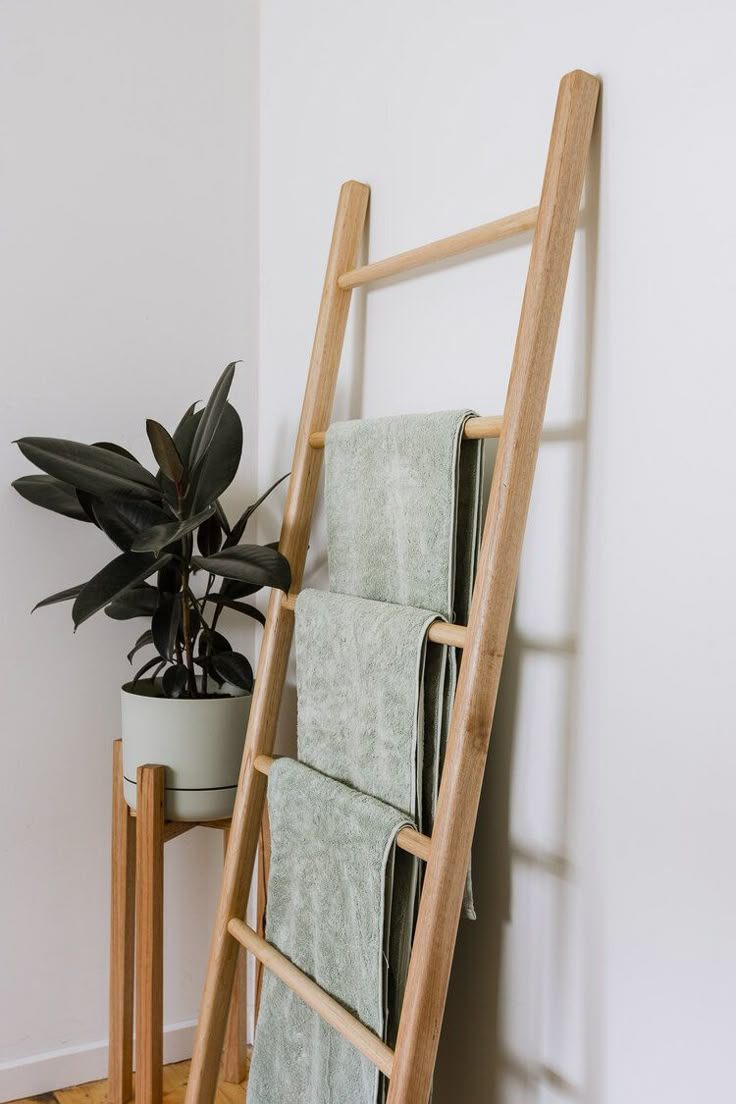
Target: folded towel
[360, 673]
[404, 504]
[403, 499]
[329, 908]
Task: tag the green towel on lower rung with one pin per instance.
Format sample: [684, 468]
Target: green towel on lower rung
[329, 905]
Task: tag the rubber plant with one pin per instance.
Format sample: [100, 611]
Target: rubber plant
[180, 561]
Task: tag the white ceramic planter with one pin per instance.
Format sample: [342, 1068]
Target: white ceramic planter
[200, 742]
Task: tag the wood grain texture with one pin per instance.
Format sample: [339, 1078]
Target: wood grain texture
[175, 1077]
[442, 250]
[476, 429]
[149, 935]
[472, 716]
[331, 1011]
[236, 1052]
[276, 644]
[122, 938]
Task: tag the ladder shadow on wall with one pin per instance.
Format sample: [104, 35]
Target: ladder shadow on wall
[519, 1025]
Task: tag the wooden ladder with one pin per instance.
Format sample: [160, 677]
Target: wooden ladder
[410, 1066]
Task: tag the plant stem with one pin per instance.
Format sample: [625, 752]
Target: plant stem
[185, 619]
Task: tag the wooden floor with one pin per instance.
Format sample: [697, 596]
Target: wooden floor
[175, 1081]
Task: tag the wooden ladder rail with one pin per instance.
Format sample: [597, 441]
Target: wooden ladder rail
[413, 1061]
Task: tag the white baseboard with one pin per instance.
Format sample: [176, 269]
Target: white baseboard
[56, 1069]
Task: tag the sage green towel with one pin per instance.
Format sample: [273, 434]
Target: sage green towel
[360, 673]
[403, 499]
[329, 905]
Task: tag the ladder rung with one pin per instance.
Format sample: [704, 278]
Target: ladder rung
[407, 839]
[479, 236]
[331, 1011]
[475, 429]
[439, 632]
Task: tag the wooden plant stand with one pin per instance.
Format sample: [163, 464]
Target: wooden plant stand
[136, 943]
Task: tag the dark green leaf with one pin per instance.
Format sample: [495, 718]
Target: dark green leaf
[60, 596]
[165, 625]
[231, 588]
[155, 662]
[213, 641]
[52, 494]
[222, 516]
[233, 668]
[249, 563]
[205, 662]
[143, 641]
[165, 451]
[116, 577]
[98, 471]
[169, 578]
[240, 607]
[175, 681]
[158, 536]
[220, 464]
[239, 528]
[123, 518]
[209, 536]
[115, 448]
[138, 601]
[210, 419]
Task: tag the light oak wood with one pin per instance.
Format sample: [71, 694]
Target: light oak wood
[149, 935]
[485, 637]
[236, 1052]
[329, 1009]
[476, 429]
[442, 250]
[175, 1078]
[513, 473]
[408, 839]
[122, 939]
[276, 644]
[439, 632]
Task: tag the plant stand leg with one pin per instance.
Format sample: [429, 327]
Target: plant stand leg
[122, 939]
[235, 1054]
[149, 934]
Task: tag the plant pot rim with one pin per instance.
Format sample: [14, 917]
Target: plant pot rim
[146, 688]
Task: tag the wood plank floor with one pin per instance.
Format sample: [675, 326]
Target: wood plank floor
[175, 1082]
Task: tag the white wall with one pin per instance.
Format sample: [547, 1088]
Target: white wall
[603, 963]
[129, 279]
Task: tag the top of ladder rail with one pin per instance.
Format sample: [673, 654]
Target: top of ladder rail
[441, 250]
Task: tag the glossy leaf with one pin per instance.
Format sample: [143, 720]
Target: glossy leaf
[209, 536]
[175, 681]
[222, 516]
[165, 450]
[233, 668]
[210, 419]
[239, 607]
[60, 596]
[143, 641]
[213, 642]
[249, 563]
[51, 494]
[158, 536]
[115, 448]
[99, 471]
[220, 464]
[155, 662]
[122, 518]
[165, 625]
[140, 601]
[239, 528]
[123, 572]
